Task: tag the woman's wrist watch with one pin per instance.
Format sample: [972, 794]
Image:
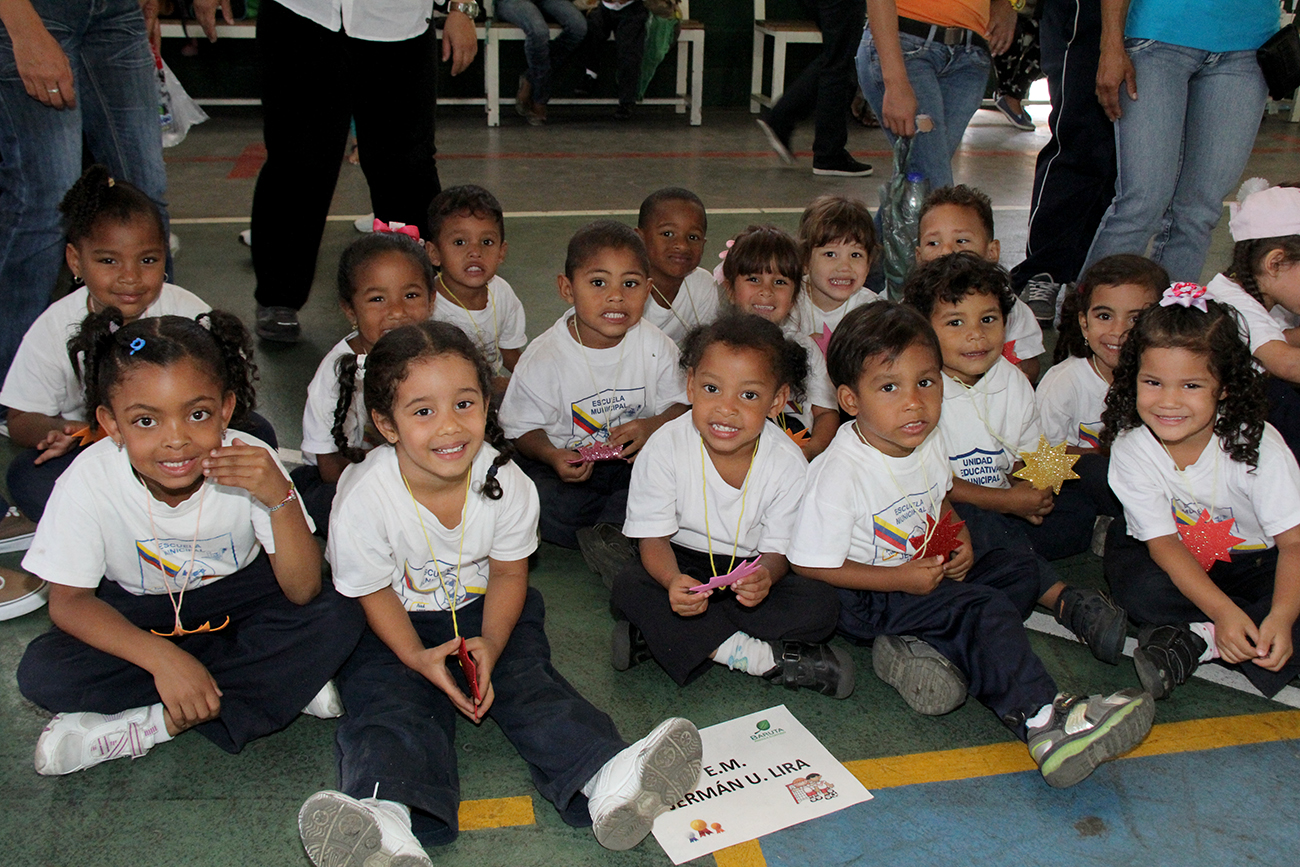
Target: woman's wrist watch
[470, 8]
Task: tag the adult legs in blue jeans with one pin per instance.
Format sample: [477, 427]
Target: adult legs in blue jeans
[1181, 146]
[116, 113]
[949, 82]
[544, 55]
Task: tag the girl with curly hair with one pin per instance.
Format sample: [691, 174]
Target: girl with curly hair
[1207, 556]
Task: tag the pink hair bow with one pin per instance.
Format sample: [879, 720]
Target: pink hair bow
[397, 229]
[1186, 295]
[717, 271]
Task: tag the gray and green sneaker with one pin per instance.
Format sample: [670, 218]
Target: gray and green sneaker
[1084, 732]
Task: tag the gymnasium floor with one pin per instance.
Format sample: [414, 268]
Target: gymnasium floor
[1214, 784]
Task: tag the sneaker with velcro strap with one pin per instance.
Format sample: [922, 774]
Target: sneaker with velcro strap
[819, 667]
[1166, 656]
[72, 742]
[1095, 620]
[1082, 733]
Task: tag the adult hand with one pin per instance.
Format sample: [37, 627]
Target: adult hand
[152, 27]
[459, 41]
[205, 12]
[1113, 69]
[898, 109]
[1002, 27]
[41, 63]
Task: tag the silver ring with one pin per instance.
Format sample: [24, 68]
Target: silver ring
[54, 90]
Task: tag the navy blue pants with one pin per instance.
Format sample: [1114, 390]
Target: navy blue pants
[989, 530]
[30, 483]
[317, 496]
[269, 662]
[400, 730]
[1151, 598]
[796, 609]
[569, 506]
[977, 623]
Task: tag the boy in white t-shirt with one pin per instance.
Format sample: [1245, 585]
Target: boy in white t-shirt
[959, 219]
[989, 420]
[467, 243]
[599, 375]
[944, 616]
[673, 224]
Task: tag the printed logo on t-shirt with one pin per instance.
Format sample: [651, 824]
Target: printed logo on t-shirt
[1186, 513]
[595, 414]
[1090, 435]
[897, 523]
[981, 467]
[424, 589]
[172, 557]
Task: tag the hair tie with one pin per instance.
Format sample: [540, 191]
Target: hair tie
[137, 345]
[111, 182]
[397, 229]
[492, 471]
[1186, 295]
[112, 327]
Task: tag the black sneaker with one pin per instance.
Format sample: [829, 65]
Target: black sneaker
[826, 669]
[278, 324]
[623, 112]
[843, 166]
[1166, 656]
[1084, 732]
[1095, 620]
[777, 142]
[627, 646]
[1040, 293]
[606, 550]
[926, 679]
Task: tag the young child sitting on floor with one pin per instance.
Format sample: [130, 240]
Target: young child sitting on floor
[837, 237]
[700, 518]
[673, 224]
[944, 622]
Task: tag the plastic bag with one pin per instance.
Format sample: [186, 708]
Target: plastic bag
[901, 198]
[177, 112]
[660, 36]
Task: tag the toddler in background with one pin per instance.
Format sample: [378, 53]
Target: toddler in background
[838, 238]
[673, 225]
[698, 519]
[384, 281]
[467, 243]
[599, 375]
[959, 219]
[762, 274]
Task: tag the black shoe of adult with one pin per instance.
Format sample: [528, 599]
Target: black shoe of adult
[776, 141]
[278, 324]
[843, 166]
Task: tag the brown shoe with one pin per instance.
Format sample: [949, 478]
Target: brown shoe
[537, 116]
[15, 531]
[20, 593]
[524, 96]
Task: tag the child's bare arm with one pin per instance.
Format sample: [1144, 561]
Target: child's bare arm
[510, 357]
[633, 434]
[507, 588]
[49, 433]
[331, 466]
[659, 560]
[1234, 631]
[753, 589]
[825, 423]
[537, 445]
[1275, 648]
[917, 577]
[1021, 499]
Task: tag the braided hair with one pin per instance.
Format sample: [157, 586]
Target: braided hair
[104, 349]
[389, 363]
[98, 196]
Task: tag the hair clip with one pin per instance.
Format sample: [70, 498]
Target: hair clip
[1186, 295]
[137, 345]
[717, 272]
[112, 327]
[111, 182]
[204, 319]
[397, 229]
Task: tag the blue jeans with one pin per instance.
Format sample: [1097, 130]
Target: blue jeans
[949, 82]
[543, 55]
[40, 147]
[1181, 148]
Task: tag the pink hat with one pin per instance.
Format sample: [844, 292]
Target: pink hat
[1264, 211]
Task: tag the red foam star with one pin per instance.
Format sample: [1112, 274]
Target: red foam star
[1209, 540]
[1009, 352]
[941, 538]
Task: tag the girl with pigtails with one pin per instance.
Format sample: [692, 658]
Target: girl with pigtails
[185, 585]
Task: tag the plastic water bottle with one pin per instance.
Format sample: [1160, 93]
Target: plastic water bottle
[166, 120]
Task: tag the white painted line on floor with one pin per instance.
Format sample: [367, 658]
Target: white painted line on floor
[1289, 696]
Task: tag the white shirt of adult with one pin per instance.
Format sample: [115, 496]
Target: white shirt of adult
[499, 325]
[1071, 399]
[696, 303]
[860, 504]
[97, 525]
[674, 479]
[376, 539]
[987, 425]
[41, 378]
[371, 20]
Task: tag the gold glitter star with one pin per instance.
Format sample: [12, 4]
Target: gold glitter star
[1047, 466]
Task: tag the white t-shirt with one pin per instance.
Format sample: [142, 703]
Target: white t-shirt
[41, 378]
[673, 481]
[696, 303]
[97, 525]
[1258, 326]
[818, 391]
[1157, 497]
[987, 425]
[576, 393]
[372, 20]
[376, 541]
[809, 319]
[861, 505]
[499, 325]
[1071, 399]
[1024, 331]
[323, 397]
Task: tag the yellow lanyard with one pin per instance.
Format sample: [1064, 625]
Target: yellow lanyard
[1010, 447]
[622, 348]
[931, 508]
[482, 340]
[744, 491]
[451, 600]
[669, 304]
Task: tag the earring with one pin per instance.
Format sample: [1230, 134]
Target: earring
[118, 443]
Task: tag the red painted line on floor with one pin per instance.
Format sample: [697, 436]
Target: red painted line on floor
[249, 162]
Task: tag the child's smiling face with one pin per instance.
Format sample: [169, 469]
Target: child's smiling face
[835, 271]
[674, 237]
[733, 392]
[1111, 312]
[390, 292]
[123, 263]
[1178, 399]
[769, 294]
[971, 334]
[608, 293]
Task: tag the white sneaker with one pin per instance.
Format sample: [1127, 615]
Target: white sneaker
[246, 237]
[327, 704]
[20, 593]
[174, 243]
[342, 831]
[16, 531]
[75, 741]
[364, 224]
[642, 782]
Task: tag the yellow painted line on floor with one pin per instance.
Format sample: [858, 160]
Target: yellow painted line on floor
[496, 813]
[1007, 758]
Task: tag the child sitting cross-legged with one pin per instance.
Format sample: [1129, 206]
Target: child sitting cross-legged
[943, 622]
[711, 490]
[989, 420]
